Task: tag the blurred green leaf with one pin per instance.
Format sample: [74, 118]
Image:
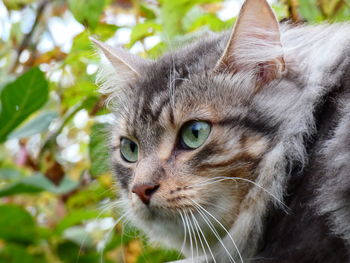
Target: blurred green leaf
[79, 236]
[340, 11]
[20, 98]
[82, 90]
[87, 12]
[89, 196]
[281, 10]
[81, 48]
[140, 31]
[16, 224]
[10, 174]
[105, 31]
[70, 252]
[118, 240]
[37, 183]
[309, 10]
[17, 4]
[89, 102]
[172, 13]
[123, 237]
[76, 217]
[37, 125]
[146, 11]
[157, 50]
[12, 253]
[210, 20]
[157, 255]
[191, 16]
[77, 60]
[98, 150]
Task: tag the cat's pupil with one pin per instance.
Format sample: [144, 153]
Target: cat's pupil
[195, 131]
[132, 147]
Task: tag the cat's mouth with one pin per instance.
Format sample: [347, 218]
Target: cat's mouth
[181, 204]
[164, 207]
[167, 203]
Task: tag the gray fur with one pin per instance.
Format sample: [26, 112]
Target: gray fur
[316, 58]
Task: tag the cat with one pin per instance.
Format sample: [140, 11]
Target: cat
[236, 148]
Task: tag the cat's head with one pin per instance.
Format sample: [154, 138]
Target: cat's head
[189, 134]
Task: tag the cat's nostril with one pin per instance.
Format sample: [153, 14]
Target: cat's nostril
[145, 191]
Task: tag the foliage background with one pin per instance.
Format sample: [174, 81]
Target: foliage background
[56, 191]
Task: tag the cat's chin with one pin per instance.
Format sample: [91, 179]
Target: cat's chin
[166, 227]
[170, 233]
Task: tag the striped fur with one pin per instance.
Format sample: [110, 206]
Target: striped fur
[290, 137]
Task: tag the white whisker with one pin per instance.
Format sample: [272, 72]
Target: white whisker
[206, 202]
[195, 244]
[222, 178]
[122, 236]
[194, 236]
[185, 232]
[199, 232]
[223, 227]
[216, 234]
[189, 233]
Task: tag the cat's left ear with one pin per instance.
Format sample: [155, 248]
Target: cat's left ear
[254, 45]
[124, 63]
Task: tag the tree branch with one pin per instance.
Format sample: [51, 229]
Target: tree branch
[27, 38]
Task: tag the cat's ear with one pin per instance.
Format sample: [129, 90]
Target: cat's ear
[125, 63]
[254, 44]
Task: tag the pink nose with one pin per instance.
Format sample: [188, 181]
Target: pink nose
[145, 191]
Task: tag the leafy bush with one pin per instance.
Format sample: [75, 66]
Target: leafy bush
[57, 197]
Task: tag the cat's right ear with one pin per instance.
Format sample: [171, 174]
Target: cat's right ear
[254, 46]
[125, 64]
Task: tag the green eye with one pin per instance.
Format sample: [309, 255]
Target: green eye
[129, 150]
[195, 133]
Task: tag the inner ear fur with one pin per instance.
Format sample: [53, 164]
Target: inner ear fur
[254, 44]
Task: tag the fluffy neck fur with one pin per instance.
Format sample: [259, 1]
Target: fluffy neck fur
[316, 58]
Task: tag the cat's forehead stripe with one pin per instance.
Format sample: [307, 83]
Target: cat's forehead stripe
[254, 124]
[159, 108]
